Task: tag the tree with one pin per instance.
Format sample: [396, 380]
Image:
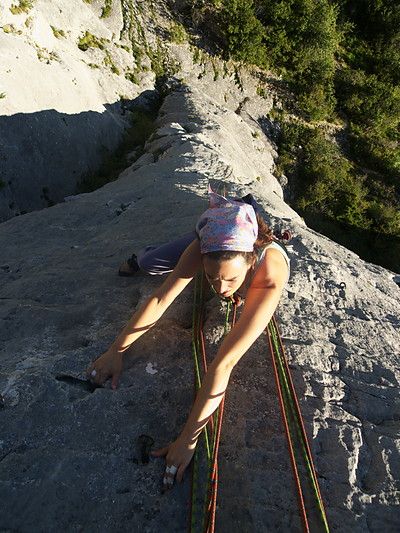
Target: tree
[243, 32]
[302, 37]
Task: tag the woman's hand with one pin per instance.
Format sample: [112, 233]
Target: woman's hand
[109, 365]
[178, 456]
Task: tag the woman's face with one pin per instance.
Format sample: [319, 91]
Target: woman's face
[226, 276]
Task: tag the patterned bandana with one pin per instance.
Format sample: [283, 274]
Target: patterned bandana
[227, 225]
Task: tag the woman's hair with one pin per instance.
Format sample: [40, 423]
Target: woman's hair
[264, 237]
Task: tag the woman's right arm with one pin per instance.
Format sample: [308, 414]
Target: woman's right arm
[110, 363]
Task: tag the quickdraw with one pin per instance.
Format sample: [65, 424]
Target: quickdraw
[302, 462]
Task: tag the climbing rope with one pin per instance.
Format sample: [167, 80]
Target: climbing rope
[299, 449]
[310, 500]
[212, 431]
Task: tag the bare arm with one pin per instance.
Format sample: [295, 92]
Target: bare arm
[110, 363]
[261, 300]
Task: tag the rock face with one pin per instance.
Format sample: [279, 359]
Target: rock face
[61, 102]
[69, 454]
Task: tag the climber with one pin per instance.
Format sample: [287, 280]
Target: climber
[237, 251]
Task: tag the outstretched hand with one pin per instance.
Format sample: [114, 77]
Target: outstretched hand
[109, 365]
[178, 456]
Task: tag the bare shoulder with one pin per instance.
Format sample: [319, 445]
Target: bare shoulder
[272, 272]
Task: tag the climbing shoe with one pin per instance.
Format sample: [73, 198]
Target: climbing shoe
[129, 267]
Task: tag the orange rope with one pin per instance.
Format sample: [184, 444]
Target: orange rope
[287, 430]
[300, 417]
[213, 483]
[213, 429]
[291, 409]
[283, 378]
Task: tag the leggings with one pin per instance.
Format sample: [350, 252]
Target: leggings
[163, 259]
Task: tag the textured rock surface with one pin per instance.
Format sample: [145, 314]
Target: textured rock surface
[68, 452]
[61, 106]
[69, 455]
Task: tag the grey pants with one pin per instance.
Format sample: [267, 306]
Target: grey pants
[162, 259]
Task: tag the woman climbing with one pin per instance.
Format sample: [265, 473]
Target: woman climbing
[238, 254]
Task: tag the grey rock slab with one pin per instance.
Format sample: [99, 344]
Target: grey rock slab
[69, 456]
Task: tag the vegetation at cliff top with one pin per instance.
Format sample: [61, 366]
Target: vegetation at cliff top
[341, 61]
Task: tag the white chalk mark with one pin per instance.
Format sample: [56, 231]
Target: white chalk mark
[150, 369]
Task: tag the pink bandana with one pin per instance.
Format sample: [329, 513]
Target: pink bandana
[227, 225]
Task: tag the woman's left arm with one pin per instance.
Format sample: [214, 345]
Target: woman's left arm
[261, 300]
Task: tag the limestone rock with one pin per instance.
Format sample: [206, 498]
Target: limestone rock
[70, 455]
[61, 104]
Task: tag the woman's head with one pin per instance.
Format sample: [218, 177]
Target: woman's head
[229, 233]
[226, 270]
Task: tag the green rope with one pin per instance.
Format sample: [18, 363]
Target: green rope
[292, 409]
[293, 415]
[215, 416]
[197, 313]
[196, 343]
[210, 439]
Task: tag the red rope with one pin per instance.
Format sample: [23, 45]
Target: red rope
[287, 430]
[291, 409]
[213, 483]
[300, 417]
[212, 488]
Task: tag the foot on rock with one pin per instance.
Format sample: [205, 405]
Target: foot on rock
[129, 267]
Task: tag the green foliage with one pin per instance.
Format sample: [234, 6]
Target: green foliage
[131, 76]
[3, 95]
[177, 33]
[341, 61]
[368, 100]
[58, 33]
[161, 63]
[379, 153]
[108, 61]
[326, 174]
[262, 91]
[216, 71]
[243, 32]
[330, 187]
[317, 101]
[373, 107]
[368, 85]
[302, 38]
[137, 52]
[106, 9]
[196, 55]
[90, 41]
[23, 7]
